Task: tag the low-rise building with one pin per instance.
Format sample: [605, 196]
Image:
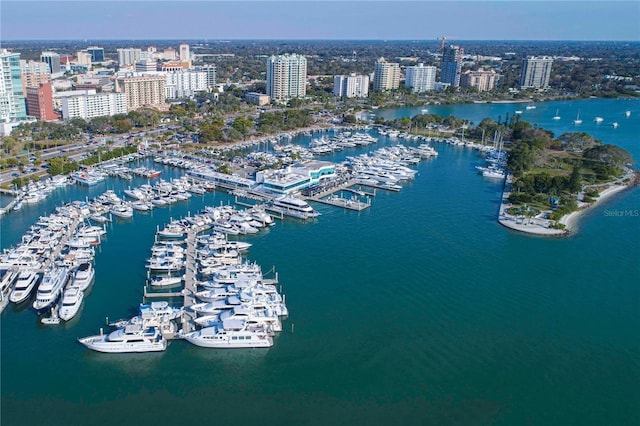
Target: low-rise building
[483, 80]
[295, 177]
[88, 106]
[256, 98]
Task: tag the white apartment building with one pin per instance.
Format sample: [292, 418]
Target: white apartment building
[210, 70]
[185, 84]
[88, 106]
[351, 86]
[420, 78]
[386, 75]
[127, 57]
[286, 77]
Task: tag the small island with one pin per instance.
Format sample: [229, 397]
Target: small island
[552, 180]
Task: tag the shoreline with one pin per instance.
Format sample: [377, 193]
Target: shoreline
[541, 225]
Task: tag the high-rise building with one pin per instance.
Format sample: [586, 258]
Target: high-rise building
[184, 53]
[33, 74]
[386, 75]
[40, 102]
[53, 59]
[84, 58]
[420, 78]
[93, 105]
[146, 66]
[142, 91]
[127, 57]
[351, 86]
[286, 77]
[12, 105]
[210, 71]
[536, 71]
[97, 53]
[451, 65]
[483, 80]
[185, 84]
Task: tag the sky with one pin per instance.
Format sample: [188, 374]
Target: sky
[320, 19]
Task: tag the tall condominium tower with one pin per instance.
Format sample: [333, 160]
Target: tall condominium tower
[386, 75]
[420, 78]
[144, 91]
[184, 53]
[351, 86]
[12, 105]
[536, 72]
[451, 65]
[286, 77]
[53, 59]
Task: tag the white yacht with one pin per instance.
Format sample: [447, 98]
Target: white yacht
[234, 336]
[71, 301]
[172, 230]
[627, 113]
[598, 119]
[123, 210]
[25, 284]
[165, 281]
[131, 338]
[615, 124]
[52, 284]
[577, 120]
[83, 276]
[296, 207]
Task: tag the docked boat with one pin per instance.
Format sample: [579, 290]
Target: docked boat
[295, 207]
[71, 301]
[88, 178]
[51, 287]
[130, 338]
[231, 335]
[25, 284]
[83, 276]
[124, 211]
[172, 230]
[166, 281]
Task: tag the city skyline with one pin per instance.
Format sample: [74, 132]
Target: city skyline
[353, 20]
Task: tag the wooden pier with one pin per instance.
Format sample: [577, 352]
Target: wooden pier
[189, 291]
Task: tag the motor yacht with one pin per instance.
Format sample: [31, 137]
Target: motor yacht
[231, 335]
[123, 210]
[83, 276]
[25, 284]
[295, 207]
[130, 338]
[71, 301]
[50, 288]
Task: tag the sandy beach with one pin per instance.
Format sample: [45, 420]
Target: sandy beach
[570, 220]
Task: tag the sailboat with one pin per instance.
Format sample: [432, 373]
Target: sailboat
[531, 106]
[577, 120]
[556, 117]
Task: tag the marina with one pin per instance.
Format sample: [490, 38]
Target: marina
[436, 240]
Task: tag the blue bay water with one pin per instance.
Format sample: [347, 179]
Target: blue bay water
[419, 310]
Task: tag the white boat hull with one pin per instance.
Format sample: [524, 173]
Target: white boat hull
[100, 343]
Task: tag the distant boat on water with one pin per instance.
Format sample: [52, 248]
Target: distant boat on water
[557, 116]
[615, 124]
[577, 120]
[530, 106]
[627, 113]
[598, 119]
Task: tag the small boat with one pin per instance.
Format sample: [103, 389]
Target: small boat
[627, 113]
[71, 301]
[598, 119]
[131, 338]
[577, 120]
[424, 111]
[53, 319]
[615, 124]
[530, 106]
[167, 281]
[98, 218]
[123, 211]
[518, 111]
[557, 116]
